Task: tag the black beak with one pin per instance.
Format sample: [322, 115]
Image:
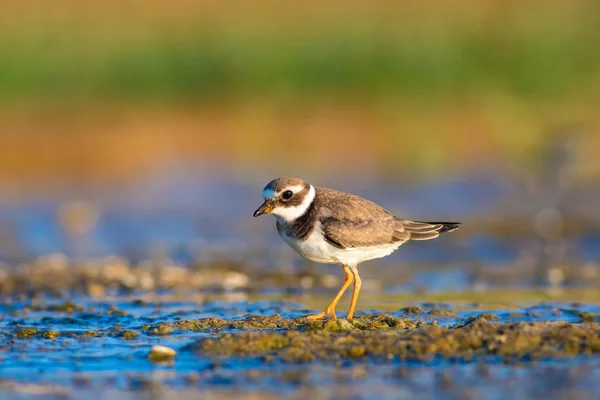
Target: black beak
[265, 208]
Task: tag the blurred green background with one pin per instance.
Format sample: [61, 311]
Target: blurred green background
[136, 137]
[99, 91]
[138, 127]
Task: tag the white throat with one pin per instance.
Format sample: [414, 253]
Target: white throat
[289, 214]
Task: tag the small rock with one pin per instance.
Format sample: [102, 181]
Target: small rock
[129, 335]
[161, 353]
[442, 312]
[50, 334]
[489, 317]
[588, 317]
[473, 321]
[338, 325]
[412, 310]
[356, 351]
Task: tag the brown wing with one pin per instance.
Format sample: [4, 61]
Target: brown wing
[350, 221]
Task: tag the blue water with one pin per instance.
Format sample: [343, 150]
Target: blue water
[111, 362]
[185, 217]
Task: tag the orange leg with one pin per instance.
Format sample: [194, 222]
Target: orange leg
[357, 285]
[331, 307]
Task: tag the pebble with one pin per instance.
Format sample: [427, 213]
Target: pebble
[161, 353]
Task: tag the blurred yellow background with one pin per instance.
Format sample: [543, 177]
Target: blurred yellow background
[100, 91]
[147, 130]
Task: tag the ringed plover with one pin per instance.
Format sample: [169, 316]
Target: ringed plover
[333, 227]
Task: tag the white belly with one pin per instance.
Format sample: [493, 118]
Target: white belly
[317, 249]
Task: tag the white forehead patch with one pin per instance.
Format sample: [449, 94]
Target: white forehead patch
[269, 194]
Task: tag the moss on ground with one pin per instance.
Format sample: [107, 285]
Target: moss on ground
[25, 333]
[474, 337]
[276, 322]
[67, 306]
[50, 334]
[588, 317]
[377, 336]
[129, 334]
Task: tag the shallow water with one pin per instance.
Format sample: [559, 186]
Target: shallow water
[184, 210]
[107, 361]
[97, 347]
[183, 216]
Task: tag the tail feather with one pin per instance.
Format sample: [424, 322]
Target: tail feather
[447, 226]
[427, 230]
[424, 235]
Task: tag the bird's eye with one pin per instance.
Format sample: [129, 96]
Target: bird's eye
[287, 194]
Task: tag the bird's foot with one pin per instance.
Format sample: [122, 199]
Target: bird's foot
[321, 315]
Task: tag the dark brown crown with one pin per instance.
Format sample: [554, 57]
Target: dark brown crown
[278, 184]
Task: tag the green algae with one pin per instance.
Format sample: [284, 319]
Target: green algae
[338, 325]
[490, 317]
[475, 337]
[478, 320]
[68, 307]
[442, 312]
[24, 333]
[114, 310]
[161, 329]
[281, 350]
[129, 334]
[412, 310]
[50, 334]
[588, 317]
[294, 340]
[356, 351]
[276, 322]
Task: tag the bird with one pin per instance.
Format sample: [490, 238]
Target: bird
[333, 227]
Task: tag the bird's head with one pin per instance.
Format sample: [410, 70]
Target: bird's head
[286, 198]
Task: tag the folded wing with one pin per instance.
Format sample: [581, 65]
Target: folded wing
[355, 222]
